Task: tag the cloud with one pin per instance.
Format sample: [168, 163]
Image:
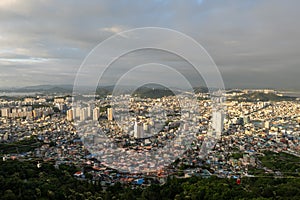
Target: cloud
[254, 43]
[113, 29]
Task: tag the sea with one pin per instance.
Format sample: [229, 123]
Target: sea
[15, 94]
[291, 93]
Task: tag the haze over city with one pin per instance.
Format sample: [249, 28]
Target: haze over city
[255, 44]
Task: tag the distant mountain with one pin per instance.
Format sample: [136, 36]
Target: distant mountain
[200, 89]
[233, 91]
[43, 88]
[59, 90]
[148, 90]
[255, 96]
[145, 91]
[103, 92]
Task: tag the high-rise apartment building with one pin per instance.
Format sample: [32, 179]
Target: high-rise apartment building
[83, 114]
[217, 123]
[110, 114]
[96, 114]
[5, 112]
[70, 115]
[138, 130]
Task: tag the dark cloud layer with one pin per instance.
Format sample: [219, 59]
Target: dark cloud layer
[254, 43]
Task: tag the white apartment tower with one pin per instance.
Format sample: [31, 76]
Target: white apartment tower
[5, 112]
[217, 123]
[96, 114]
[138, 130]
[109, 114]
[70, 115]
[83, 114]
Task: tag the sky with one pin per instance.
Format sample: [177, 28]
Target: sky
[254, 43]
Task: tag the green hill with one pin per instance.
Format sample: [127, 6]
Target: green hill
[145, 92]
[260, 96]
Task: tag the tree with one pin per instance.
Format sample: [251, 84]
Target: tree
[9, 195]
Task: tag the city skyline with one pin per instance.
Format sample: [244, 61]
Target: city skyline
[161, 99]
